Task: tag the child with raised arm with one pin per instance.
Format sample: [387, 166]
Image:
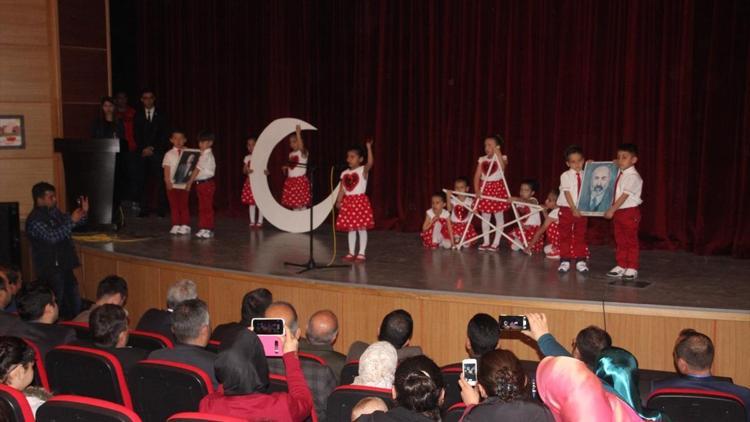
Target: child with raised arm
[488, 181]
[459, 206]
[437, 230]
[573, 247]
[355, 215]
[296, 194]
[550, 227]
[530, 221]
[625, 212]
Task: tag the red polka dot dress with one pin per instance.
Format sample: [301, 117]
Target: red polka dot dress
[429, 236]
[493, 185]
[552, 249]
[356, 211]
[296, 193]
[530, 224]
[460, 218]
[247, 191]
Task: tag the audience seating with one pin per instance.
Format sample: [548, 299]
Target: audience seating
[40, 373]
[16, 402]
[202, 417]
[213, 346]
[647, 377]
[349, 372]
[277, 384]
[345, 397]
[161, 388]
[454, 413]
[68, 408]
[451, 374]
[148, 341]
[82, 329]
[87, 372]
[692, 405]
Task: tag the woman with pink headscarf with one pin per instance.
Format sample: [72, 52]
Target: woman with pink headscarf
[573, 393]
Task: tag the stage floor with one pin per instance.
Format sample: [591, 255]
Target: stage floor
[675, 279]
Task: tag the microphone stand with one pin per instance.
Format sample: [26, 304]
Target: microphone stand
[311, 265]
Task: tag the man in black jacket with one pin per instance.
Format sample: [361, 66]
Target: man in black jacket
[52, 249]
[152, 139]
[159, 321]
[37, 307]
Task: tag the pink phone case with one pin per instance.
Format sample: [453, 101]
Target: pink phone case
[272, 345]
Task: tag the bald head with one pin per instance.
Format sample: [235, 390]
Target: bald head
[322, 328]
[285, 311]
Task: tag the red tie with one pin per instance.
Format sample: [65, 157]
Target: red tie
[578, 176]
[617, 181]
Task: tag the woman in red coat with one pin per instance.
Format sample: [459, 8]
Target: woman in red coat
[242, 370]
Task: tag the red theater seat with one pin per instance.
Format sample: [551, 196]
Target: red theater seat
[202, 417]
[349, 372]
[147, 340]
[454, 413]
[16, 403]
[277, 384]
[40, 373]
[451, 374]
[82, 329]
[68, 408]
[689, 405]
[344, 398]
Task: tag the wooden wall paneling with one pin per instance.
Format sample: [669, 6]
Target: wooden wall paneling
[26, 77]
[78, 119]
[143, 288]
[84, 75]
[83, 23]
[95, 268]
[24, 22]
[18, 175]
[167, 277]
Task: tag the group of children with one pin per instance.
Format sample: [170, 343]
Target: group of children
[448, 222]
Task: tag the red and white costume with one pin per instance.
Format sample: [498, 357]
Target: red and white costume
[572, 229]
[247, 191]
[530, 223]
[205, 188]
[552, 248]
[627, 218]
[296, 193]
[356, 211]
[178, 198]
[437, 234]
[491, 183]
[460, 217]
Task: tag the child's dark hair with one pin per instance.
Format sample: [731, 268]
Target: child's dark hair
[148, 90]
[499, 140]
[206, 135]
[419, 385]
[628, 147]
[573, 149]
[13, 352]
[440, 194]
[177, 130]
[462, 179]
[107, 99]
[531, 183]
[555, 191]
[356, 149]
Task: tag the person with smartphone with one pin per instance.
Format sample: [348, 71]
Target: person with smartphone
[587, 345]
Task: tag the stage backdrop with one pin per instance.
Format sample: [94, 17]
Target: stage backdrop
[429, 79]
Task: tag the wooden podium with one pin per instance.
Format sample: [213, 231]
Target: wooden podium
[90, 171]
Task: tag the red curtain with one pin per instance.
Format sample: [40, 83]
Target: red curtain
[429, 79]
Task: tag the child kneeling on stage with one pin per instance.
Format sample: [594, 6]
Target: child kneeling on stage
[355, 215]
[530, 218]
[437, 230]
[550, 227]
[205, 186]
[178, 198]
[625, 212]
[459, 206]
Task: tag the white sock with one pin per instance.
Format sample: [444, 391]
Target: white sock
[260, 217]
[352, 241]
[486, 228]
[252, 214]
[362, 241]
[499, 221]
[437, 236]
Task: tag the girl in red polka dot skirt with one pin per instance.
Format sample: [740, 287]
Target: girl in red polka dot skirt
[489, 181]
[296, 194]
[247, 191]
[355, 212]
[437, 230]
[550, 227]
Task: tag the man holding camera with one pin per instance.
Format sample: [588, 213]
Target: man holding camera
[52, 249]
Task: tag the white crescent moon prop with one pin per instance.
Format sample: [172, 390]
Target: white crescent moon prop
[281, 217]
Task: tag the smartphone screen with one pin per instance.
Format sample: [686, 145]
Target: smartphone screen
[268, 326]
[514, 322]
[469, 368]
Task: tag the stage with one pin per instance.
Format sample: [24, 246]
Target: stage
[442, 288]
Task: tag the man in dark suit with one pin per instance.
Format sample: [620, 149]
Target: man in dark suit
[109, 331]
[191, 327]
[10, 324]
[396, 328]
[152, 140]
[693, 357]
[37, 307]
[322, 332]
[159, 321]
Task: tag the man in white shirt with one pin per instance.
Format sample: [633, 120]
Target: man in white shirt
[205, 185]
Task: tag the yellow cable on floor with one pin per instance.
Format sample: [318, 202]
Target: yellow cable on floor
[333, 220]
[103, 237]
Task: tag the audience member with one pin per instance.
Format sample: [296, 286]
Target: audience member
[38, 308]
[17, 370]
[502, 393]
[112, 290]
[573, 393]
[693, 358]
[254, 305]
[588, 344]
[243, 373]
[192, 329]
[322, 332]
[151, 128]
[12, 275]
[159, 321]
[109, 332]
[482, 335]
[418, 390]
[397, 328]
[10, 324]
[367, 406]
[377, 366]
[320, 378]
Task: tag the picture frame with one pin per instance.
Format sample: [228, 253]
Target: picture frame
[597, 188]
[12, 132]
[185, 167]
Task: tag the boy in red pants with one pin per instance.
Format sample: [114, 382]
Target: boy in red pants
[178, 198]
[205, 186]
[573, 247]
[626, 213]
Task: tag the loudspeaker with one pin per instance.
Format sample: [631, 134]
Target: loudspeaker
[10, 234]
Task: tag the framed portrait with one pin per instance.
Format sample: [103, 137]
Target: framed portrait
[185, 168]
[12, 134]
[597, 188]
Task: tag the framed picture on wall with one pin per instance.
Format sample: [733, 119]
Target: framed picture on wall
[12, 132]
[598, 188]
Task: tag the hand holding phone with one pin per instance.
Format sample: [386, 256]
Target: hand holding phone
[514, 322]
[271, 332]
[469, 370]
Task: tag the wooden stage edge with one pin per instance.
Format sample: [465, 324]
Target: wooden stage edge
[440, 318]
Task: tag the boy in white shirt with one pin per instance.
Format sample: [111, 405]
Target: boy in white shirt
[626, 213]
[573, 247]
[178, 198]
[205, 185]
